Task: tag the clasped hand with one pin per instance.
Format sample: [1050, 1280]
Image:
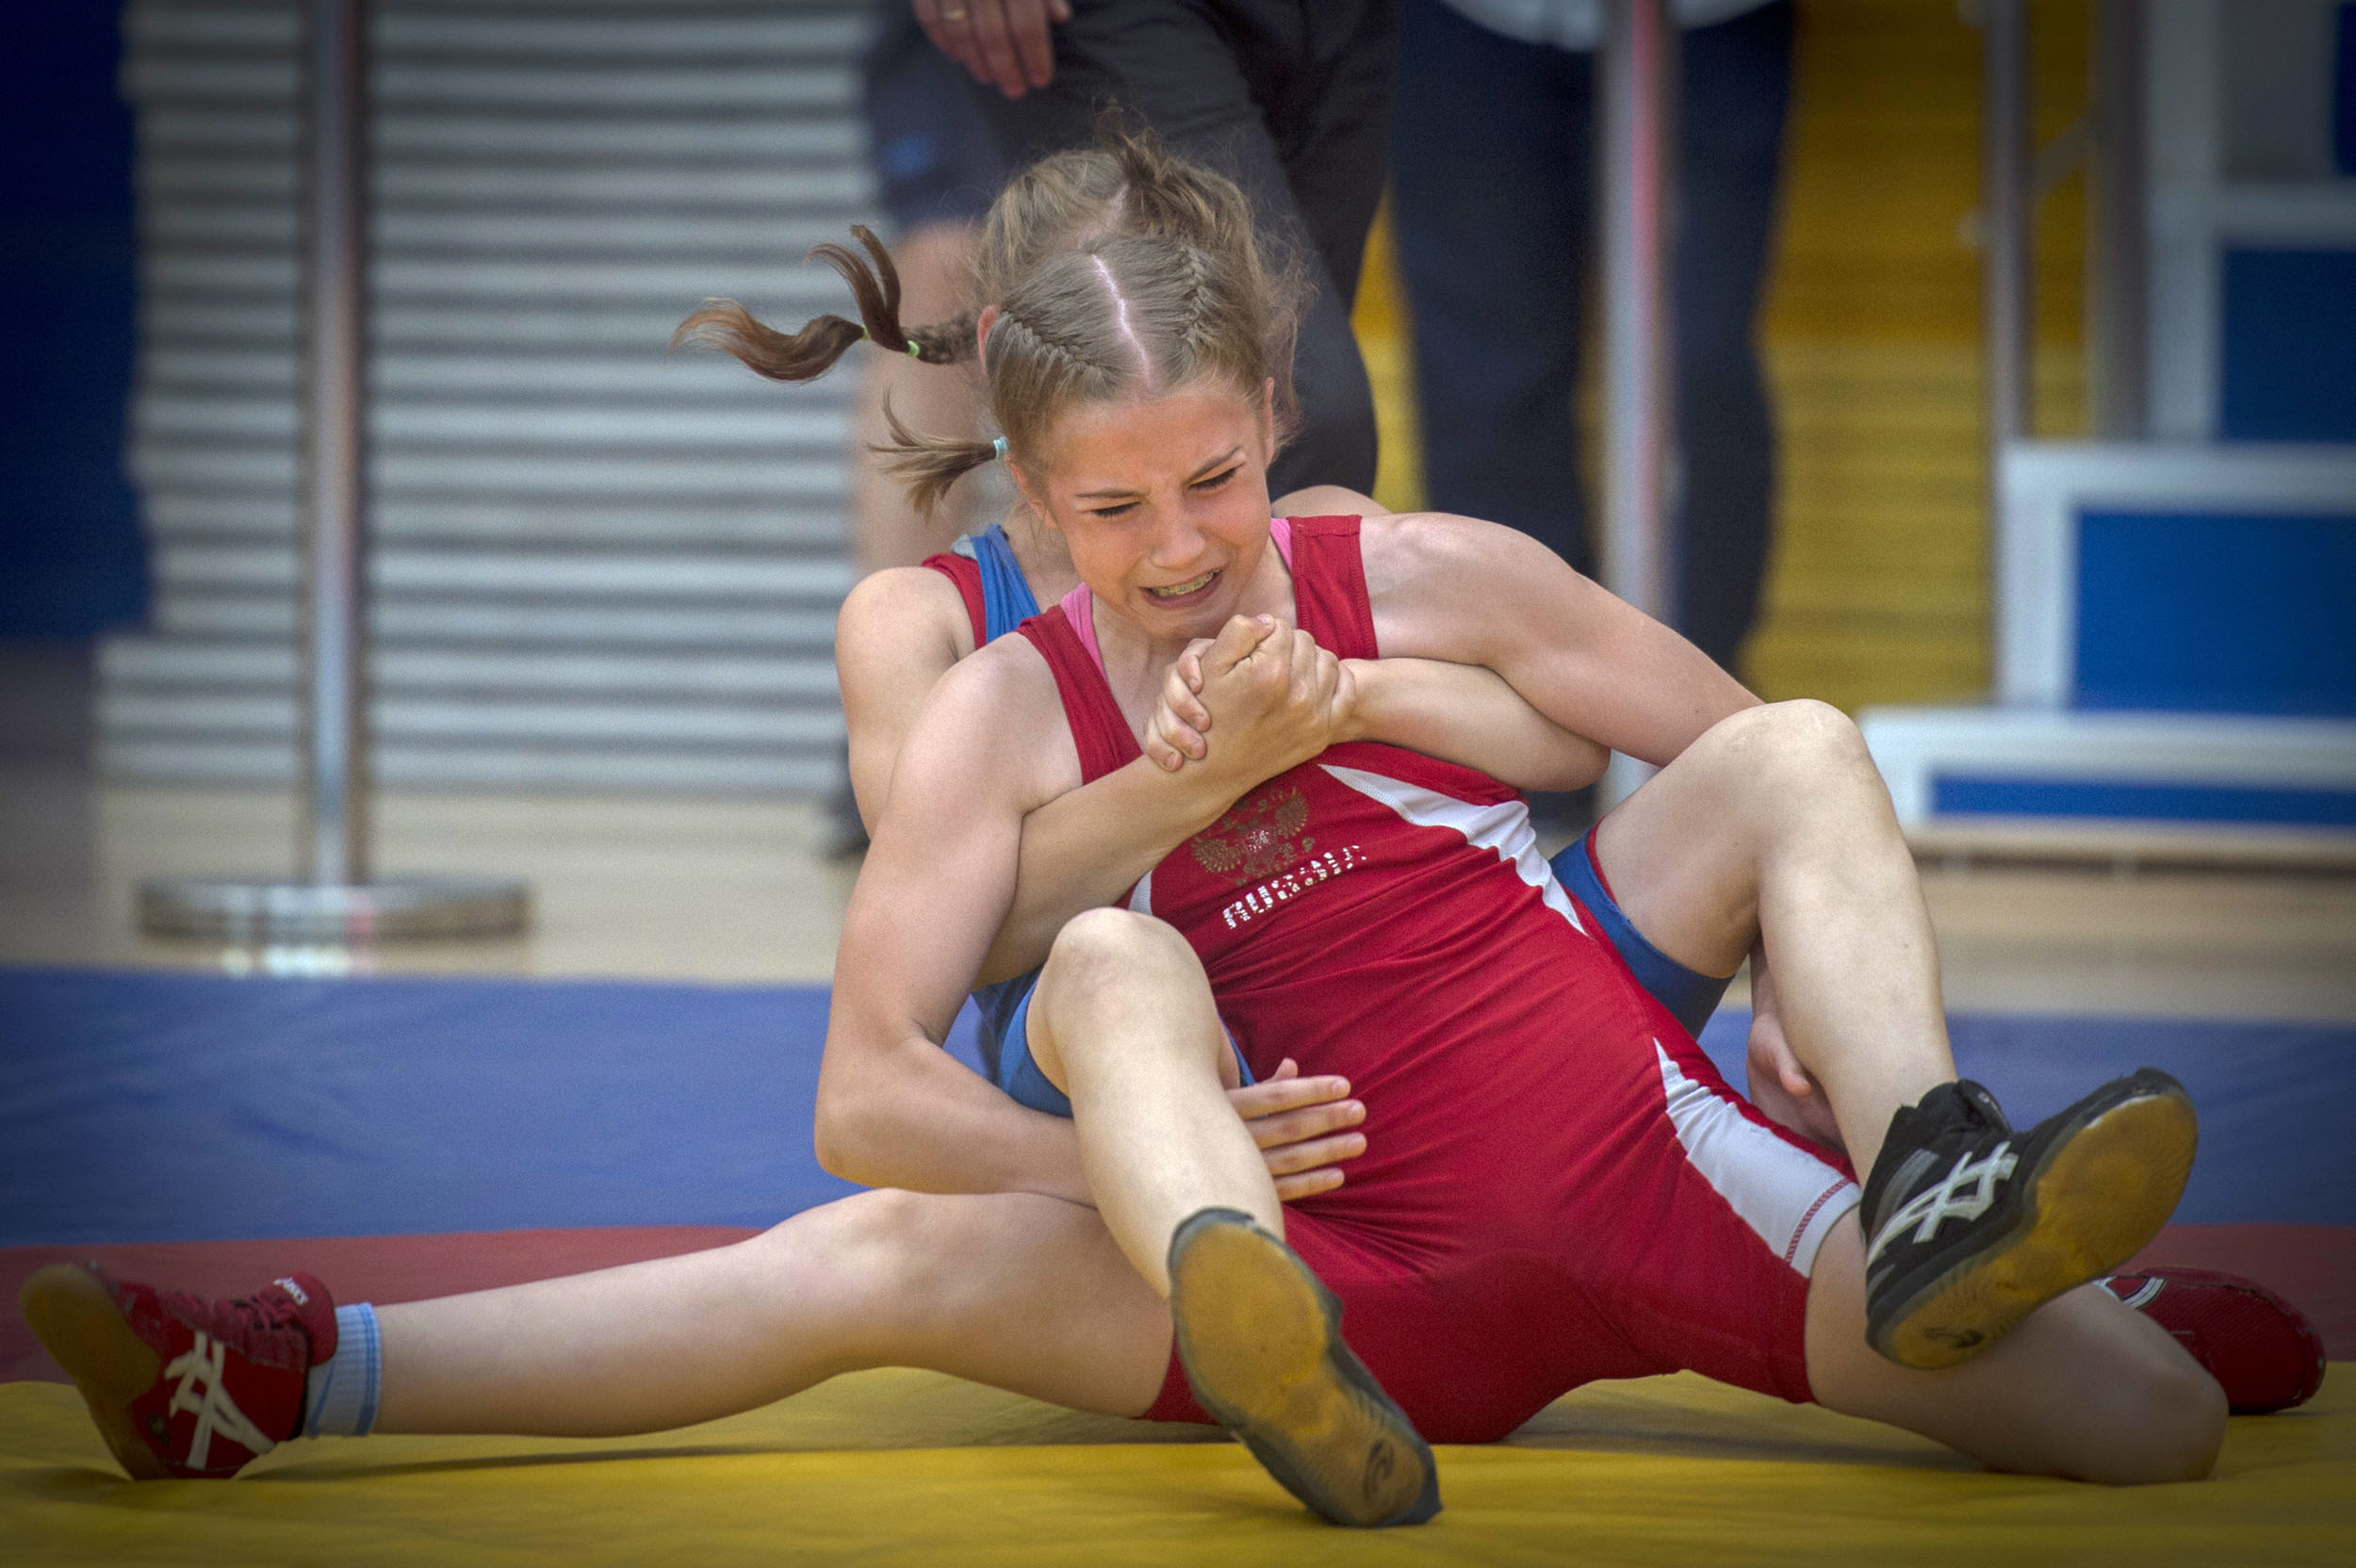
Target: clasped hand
[1275, 697]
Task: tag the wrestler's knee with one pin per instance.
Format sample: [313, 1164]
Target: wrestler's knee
[884, 1253]
[1782, 755]
[2166, 1421]
[1102, 952]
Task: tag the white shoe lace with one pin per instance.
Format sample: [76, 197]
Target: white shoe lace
[215, 1411]
[1966, 1194]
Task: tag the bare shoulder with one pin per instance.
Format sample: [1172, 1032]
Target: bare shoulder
[1419, 553]
[996, 722]
[903, 607]
[1328, 501]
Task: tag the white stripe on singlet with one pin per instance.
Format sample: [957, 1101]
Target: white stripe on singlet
[1503, 828]
[1788, 1197]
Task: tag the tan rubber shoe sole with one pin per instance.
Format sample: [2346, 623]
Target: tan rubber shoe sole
[2099, 1200]
[1261, 1342]
[72, 1313]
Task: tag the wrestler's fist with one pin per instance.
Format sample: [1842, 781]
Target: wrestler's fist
[1274, 698]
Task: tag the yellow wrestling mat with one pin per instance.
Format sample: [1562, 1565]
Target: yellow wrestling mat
[890, 1467]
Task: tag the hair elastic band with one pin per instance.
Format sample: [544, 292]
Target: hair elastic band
[916, 349]
[998, 448]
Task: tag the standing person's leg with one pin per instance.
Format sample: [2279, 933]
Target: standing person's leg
[1189, 72]
[935, 266]
[1491, 179]
[939, 170]
[1323, 76]
[1737, 83]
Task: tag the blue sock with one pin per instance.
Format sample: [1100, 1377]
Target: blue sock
[339, 1394]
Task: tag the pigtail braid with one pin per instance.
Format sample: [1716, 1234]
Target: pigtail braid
[805, 355]
[928, 464]
[810, 353]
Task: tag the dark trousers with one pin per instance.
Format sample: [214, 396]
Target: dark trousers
[1287, 97]
[1493, 158]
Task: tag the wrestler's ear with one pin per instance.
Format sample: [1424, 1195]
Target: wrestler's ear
[1030, 498]
[982, 323]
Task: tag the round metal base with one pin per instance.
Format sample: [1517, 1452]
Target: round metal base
[396, 909]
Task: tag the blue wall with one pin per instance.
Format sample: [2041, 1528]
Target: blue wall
[2224, 614]
[2289, 345]
[72, 563]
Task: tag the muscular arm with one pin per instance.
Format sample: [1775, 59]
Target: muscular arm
[1473, 592]
[894, 1109]
[1470, 715]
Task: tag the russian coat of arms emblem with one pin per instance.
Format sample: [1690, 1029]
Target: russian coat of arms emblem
[1259, 836]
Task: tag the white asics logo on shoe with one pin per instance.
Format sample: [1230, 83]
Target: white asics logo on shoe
[213, 1410]
[1950, 1199]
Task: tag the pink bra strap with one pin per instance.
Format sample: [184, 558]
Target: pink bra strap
[1079, 608]
[1281, 530]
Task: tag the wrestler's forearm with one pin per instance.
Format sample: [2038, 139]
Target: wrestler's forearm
[912, 1116]
[1085, 849]
[1467, 714]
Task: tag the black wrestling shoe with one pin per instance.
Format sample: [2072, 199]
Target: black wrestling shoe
[1262, 1343]
[1971, 1226]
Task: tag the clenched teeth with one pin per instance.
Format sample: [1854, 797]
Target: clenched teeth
[1183, 589]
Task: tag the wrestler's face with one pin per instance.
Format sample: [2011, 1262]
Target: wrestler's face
[1163, 502]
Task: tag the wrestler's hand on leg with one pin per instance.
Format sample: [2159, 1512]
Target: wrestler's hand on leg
[1780, 1085]
[1304, 1128]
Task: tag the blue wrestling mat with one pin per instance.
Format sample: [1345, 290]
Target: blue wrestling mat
[150, 1106]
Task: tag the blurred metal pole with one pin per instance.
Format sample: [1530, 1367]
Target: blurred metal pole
[334, 764]
[2118, 294]
[1639, 184]
[335, 902]
[2006, 270]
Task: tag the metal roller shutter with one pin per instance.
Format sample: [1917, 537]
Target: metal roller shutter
[597, 564]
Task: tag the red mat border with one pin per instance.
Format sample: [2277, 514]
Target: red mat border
[2313, 1266]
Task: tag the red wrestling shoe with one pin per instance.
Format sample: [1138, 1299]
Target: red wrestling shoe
[181, 1385]
[2260, 1348]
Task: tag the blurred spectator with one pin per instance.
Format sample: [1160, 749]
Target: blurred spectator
[1289, 97]
[937, 168]
[1494, 140]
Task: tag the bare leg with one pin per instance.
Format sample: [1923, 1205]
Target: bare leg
[885, 530]
[1775, 824]
[2083, 1387]
[1122, 1021]
[1022, 1292]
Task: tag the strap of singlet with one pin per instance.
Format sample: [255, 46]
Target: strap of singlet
[967, 574]
[1330, 600]
[1079, 613]
[1007, 599]
[1099, 729]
